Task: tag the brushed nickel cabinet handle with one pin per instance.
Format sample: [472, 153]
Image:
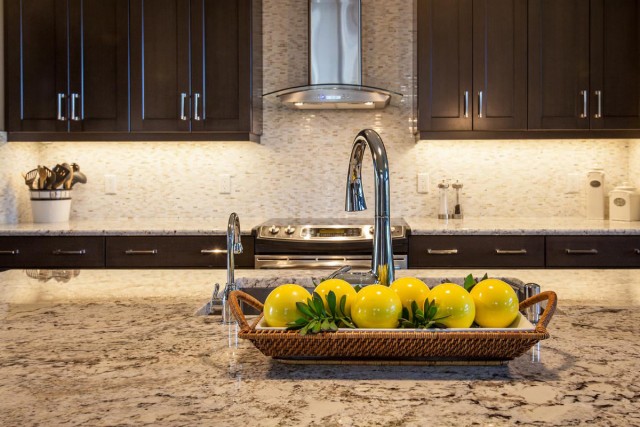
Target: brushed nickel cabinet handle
[466, 104]
[61, 116]
[183, 98]
[196, 98]
[442, 251]
[213, 251]
[598, 114]
[636, 251]
[74, 114]
[511, 251]
[581, 251]
[141, 252]
[480, 104]
[16, 252]
[61, 252]
[584, 104]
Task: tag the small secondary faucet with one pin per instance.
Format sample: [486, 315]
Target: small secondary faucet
[234, 246]
[382, 260]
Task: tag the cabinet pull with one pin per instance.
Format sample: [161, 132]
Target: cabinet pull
[213, 251]
[584, 104]
[183, 98]
[511, 251]
[635, 251]
[61, 252]
[17, 251]
[61, 116]
[466, 104]
[480, 104]
[196, 98]
[442, 251]
[74, 114]
[598, 114]
[141, 252]
[581, 251]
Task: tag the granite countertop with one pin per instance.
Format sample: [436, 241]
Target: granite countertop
[218, 226]
[124, 348]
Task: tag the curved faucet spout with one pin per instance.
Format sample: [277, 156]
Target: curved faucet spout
[382, 261]
[234, 246]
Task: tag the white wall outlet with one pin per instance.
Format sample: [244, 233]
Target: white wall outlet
[110, 184]
[423, 183]
[225, 184]
[574, 181]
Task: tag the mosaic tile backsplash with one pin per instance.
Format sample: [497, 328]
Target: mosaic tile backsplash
[300, 166]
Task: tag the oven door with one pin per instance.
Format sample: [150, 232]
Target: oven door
[310, 262]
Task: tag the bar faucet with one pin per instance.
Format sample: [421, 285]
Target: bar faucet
[382, 260]
[234, 246]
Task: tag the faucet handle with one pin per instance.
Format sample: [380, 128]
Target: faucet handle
[237, 248]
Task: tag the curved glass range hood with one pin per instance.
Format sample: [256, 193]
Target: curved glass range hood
[335, 62]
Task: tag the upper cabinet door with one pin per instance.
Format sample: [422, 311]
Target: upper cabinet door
[558, 64]
[444, 65]
[500, 64]
[160, 74]
[221, 65]
[615, 64]
[99, 65]
[36, 62]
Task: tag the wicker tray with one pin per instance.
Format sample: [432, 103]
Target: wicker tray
[394, 344]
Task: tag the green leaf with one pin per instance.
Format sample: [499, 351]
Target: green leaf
[405, 313]
[325, 325]
[469, 282]
[305, 310]
[347, 322]
[304, 330]
[332, 326]
[343, 305]
[331, 302]
[318, 303]
[316, 327]
[357, 288]
[486, 276]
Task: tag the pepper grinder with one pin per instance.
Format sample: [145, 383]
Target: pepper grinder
[443, 212]
[457, 210]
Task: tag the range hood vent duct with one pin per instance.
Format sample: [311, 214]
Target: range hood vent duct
[335, 62]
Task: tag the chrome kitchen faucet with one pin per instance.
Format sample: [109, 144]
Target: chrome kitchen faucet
[382, 260]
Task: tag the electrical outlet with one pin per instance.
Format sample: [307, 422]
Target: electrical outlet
[225, 184]
[110, 184]
[423, 183]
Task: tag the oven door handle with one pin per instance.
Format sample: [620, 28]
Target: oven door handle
[312, 262]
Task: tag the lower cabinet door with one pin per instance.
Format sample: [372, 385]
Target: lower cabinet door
[593, 251]
[476, 251]
[52, 252]
[174, 252]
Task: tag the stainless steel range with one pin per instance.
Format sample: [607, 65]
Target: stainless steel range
[323, 243]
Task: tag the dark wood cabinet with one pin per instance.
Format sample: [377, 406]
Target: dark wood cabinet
[51, 252]
[584, 64]
[472, 65]
[174, 252]
[593, 251]
[191, 66]
[476, 251]
[67, 67]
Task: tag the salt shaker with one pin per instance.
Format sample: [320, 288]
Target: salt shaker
[443, 210]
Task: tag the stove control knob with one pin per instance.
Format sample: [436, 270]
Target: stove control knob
[274, 229]
[289, 230]
[371, 230]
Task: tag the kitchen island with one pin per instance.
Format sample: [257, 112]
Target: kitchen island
[97, 350]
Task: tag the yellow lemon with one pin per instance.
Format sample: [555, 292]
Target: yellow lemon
[496, 303]
[339, 287]
[280, 306]
[455, 303]
[410, 289]
[376, 306]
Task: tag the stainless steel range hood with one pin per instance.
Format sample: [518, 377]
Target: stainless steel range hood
[335, 62]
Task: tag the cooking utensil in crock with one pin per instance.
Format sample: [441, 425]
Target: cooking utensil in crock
[30, 178]
[61, 172]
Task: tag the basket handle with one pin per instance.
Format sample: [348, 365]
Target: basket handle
[234, 305]
[547, 314]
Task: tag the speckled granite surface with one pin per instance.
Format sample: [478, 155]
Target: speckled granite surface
[141, 362]
[477, 225]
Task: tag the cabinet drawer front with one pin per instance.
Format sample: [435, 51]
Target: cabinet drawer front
[51, 252]
[476, 251]
[593, 251]
[174, 252]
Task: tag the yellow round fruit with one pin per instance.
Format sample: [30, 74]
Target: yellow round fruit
[496, 303]
[280, 306]
[454, 302]
[339, 287]
[410, 289]
[376, 306]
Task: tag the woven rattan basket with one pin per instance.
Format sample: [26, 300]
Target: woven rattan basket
[394, 345]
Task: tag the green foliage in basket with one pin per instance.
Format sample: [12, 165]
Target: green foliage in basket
[315, 317]
[424, 318]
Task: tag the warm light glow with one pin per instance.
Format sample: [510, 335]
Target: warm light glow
[298, 104]
[368, 103]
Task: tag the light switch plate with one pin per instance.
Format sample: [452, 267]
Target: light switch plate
[423, 183]
[110, 184]
[225, 184]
